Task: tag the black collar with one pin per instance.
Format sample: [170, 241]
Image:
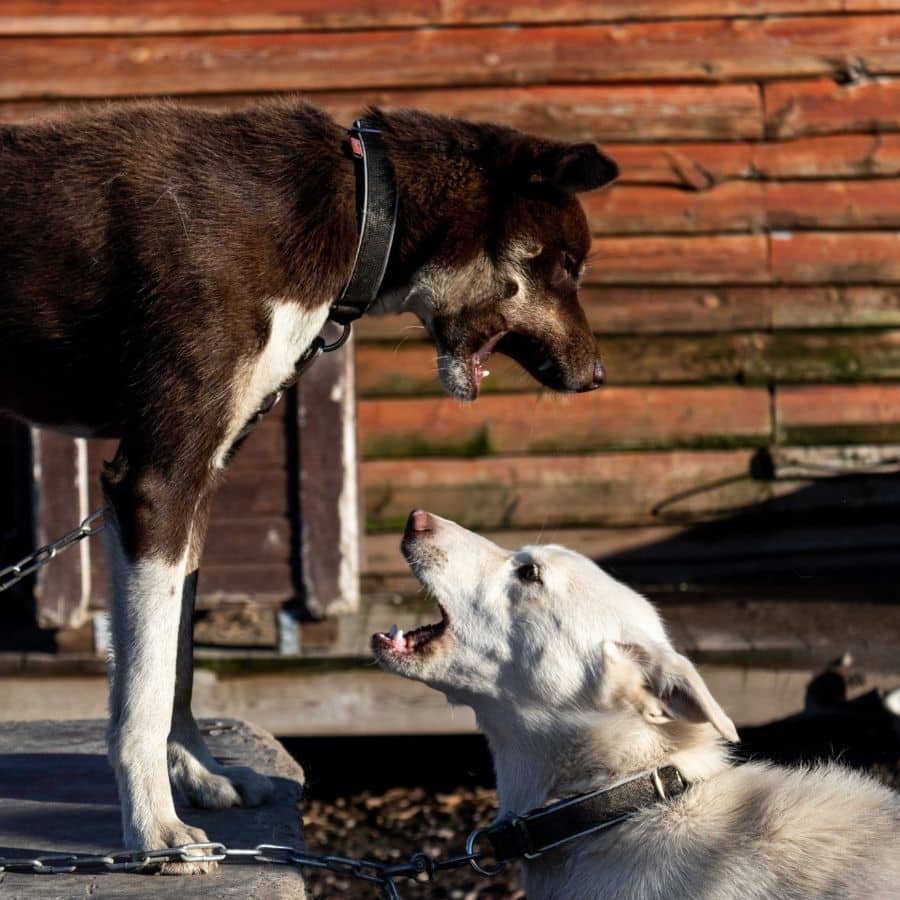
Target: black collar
[543, 829]
[376, 205]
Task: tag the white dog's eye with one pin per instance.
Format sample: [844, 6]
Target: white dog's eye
[529, 572]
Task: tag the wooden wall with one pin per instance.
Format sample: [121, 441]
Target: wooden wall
[745, 288]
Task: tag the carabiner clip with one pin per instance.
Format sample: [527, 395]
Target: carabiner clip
[341, 340]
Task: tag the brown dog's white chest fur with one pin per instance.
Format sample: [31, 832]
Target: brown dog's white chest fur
[292, 328]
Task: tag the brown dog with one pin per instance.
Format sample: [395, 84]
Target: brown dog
[162, 269]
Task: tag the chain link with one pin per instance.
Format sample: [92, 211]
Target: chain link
[421, 866]
[43, 555]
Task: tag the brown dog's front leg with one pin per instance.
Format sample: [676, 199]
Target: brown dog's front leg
[148, 541]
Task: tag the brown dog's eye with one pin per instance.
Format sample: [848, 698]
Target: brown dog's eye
[529, 573]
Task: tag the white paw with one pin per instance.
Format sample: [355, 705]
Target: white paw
[210, 785]
[171, 834]
[255, 789]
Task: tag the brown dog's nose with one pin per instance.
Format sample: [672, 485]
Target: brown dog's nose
[419, 521]
[599, 376]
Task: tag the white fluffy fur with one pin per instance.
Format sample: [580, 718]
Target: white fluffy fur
[576, 686]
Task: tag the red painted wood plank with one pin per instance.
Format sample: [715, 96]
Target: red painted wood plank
[615, 417]
[836, 257]
[156, 16]
[708, 50]
[838, 156]
[537, 491]
[824, 107]
[621, 112]
[695, 167]
[838, 414]
[834, 204]
[847, 307]
[730, 207]
[701, 166]
[713, 259]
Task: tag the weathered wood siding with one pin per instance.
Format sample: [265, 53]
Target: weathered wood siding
[745, 284]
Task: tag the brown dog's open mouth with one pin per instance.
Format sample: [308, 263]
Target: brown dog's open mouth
[531, 353]
[480, 357]
[397, 643]
[534, 356]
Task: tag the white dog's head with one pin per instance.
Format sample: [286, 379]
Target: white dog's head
[541, 629]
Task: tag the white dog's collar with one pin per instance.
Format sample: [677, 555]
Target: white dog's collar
[540, 830]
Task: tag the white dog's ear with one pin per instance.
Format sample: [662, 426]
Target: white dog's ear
[664, 685]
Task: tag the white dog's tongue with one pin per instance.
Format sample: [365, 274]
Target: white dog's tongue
[396, 636]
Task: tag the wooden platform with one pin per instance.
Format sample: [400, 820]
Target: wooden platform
[756, 655]
[57, 795]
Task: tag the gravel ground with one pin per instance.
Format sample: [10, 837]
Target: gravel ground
[406, 820]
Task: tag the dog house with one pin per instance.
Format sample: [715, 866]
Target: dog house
[283, 541]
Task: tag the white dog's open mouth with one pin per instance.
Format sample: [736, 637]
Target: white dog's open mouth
[397, 643]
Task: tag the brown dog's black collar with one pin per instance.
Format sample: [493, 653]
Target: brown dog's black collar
[376, 203]
[543, 829]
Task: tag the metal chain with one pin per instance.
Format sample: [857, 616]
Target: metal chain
[37, 560]
[421, 867]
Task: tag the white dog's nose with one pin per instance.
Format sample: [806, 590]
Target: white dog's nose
[419, 521]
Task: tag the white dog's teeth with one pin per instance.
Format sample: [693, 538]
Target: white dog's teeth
[485, 373]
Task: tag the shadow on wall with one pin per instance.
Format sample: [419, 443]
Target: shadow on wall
[836, 537]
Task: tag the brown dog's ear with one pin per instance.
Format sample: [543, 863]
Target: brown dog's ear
[663, 685]
[576, 168]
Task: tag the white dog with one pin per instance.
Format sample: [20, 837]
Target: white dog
[577, 688]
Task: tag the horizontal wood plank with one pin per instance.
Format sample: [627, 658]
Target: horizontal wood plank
[673, 553]
[797, 108]
[619, 112]
[160, 16]
[538, 495]
[710, 259]
[708, 50]
[701, 166]
[615, 417]
[831, 414]
[832, 156]
[745, 206]
[833, 204]
[539, 491]
[738, 206]
[836, 257]
[745, 357]
[871, 305]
